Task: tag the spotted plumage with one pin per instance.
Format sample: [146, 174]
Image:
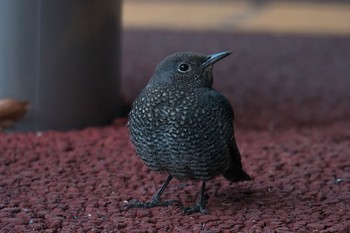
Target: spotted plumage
[181, 126]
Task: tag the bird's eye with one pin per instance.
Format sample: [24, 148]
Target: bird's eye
[184, 67]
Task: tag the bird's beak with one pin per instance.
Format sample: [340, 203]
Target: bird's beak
[211, 59]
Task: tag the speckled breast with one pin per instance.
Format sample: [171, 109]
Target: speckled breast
[180, 132]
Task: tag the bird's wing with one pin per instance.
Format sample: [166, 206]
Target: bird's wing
[223, 110]
[226, 117]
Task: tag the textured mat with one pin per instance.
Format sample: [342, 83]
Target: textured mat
[292, 106]
[78, 181]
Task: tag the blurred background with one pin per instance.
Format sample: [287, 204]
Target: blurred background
[59, 60]
[291, 59]
[82, 63]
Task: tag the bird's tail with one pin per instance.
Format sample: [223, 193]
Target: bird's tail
[235, 171]
[236, 174]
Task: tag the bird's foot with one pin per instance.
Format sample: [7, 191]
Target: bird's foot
[146, 205]
[198, 208]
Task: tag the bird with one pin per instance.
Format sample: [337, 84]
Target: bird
[181, 126]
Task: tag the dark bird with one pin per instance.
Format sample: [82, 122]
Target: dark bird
[181, 126]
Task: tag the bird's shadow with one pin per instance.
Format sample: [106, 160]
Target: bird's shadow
[244, 195]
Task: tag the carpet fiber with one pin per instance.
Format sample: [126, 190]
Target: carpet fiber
[291, 97]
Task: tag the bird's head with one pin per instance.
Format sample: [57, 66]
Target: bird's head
[186, 69]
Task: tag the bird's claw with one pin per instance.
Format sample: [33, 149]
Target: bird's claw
[195, 209]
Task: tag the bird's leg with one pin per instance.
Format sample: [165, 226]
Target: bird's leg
[156, 198]
[155, 201]
[200, 205]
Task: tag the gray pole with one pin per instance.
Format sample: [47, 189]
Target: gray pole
[63, 57]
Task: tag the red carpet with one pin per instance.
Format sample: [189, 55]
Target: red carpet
[291, 97]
